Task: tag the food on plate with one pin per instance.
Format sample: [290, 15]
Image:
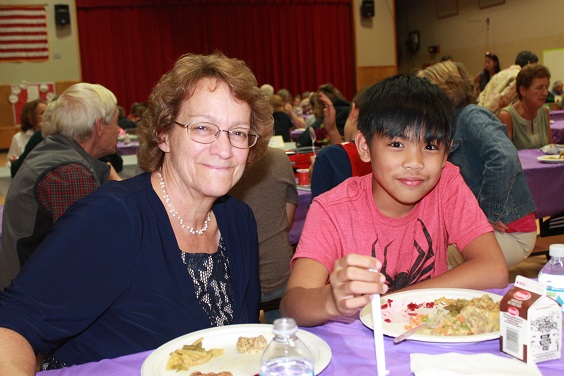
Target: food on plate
[191, 355]
[561, 154]
[251, 344]
[459, 317]
[198, 373]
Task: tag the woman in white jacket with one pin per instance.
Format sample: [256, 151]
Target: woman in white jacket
[32, 114]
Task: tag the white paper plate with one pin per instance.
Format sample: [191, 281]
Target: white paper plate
[550, 159]
[395, 314]
[225, 337]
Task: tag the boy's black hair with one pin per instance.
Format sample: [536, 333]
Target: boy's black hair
[409, 107]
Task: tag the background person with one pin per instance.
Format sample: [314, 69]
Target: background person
[490, 166]
[80, 126]
[145, 260]
[500, 91]
[336, 163]
[491, 67]
[339, 110]
[268, 186]
[528, 120]
[30, 119]
[282, 122]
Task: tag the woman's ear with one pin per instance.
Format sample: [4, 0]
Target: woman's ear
[163, 143]
[362, 146]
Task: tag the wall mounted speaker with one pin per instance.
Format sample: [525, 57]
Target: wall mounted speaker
[367, 8]
[62, 14]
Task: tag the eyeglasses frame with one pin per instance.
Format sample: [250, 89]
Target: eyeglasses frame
[217, 134]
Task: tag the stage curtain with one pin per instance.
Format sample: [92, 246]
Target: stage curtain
[127, 45]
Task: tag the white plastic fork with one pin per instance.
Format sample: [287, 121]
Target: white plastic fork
[402, 337]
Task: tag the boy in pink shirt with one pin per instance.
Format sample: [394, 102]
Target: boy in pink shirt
[399, 220]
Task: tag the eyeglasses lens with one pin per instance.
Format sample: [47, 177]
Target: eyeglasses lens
[206, 133]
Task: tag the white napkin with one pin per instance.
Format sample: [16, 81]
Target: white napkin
[550, 149]
[453, 364]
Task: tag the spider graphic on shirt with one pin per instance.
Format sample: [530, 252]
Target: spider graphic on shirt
[419, 271]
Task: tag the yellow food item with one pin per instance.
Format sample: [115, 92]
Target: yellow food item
[191, 355]
[251, 344]
[460, 317]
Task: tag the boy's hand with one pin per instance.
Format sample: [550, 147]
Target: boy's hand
[355, 278]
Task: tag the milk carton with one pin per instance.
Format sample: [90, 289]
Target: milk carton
[530, 323]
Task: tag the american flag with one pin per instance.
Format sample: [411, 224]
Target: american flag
[23, 33]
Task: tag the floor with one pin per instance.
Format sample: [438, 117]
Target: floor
[528, 268]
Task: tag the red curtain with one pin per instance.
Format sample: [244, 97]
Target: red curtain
[126, 45]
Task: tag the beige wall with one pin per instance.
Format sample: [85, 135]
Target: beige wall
[514, 26]
[64, 60]
[62, 68]
[375, 43]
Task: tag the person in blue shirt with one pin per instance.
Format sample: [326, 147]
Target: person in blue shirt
[489, 164]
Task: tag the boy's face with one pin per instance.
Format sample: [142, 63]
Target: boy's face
[404, 171]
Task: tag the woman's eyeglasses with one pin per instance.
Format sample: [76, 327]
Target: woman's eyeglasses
[207, 133]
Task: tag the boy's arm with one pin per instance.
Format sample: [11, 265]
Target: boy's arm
[484, 268]
[310, 300]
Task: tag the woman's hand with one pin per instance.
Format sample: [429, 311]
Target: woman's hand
[500, 226]
[355, 278]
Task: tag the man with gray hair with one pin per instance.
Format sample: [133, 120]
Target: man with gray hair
[557, 88]
[80, 127]
[267, 89]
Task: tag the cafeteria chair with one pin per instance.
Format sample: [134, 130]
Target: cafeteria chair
[270, 310]
[550, 226]
[551, 231]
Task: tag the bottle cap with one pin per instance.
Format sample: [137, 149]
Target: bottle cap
[286, 326]
[556, 250]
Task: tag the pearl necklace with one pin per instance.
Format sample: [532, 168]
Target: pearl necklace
[174, 213]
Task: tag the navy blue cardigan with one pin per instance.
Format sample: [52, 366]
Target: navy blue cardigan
[108, 280]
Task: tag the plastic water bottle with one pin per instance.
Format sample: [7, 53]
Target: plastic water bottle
[552, 274]
[286, 355]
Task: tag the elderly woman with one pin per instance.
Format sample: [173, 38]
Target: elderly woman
[489, 165]
[528, 120]
[142, 261]
[30, 118]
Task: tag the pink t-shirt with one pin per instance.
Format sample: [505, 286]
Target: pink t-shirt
[413, 248]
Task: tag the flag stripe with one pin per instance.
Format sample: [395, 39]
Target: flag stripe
[23, 33]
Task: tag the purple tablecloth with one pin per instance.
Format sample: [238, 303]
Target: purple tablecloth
[546, 182]
[557, 126]
[558, 131]
[127, 149]
[352, 347]
[296, 133]
[304, 198]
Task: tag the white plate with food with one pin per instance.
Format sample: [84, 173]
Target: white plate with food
[226, 337]
[402, 309]
[551, 159]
